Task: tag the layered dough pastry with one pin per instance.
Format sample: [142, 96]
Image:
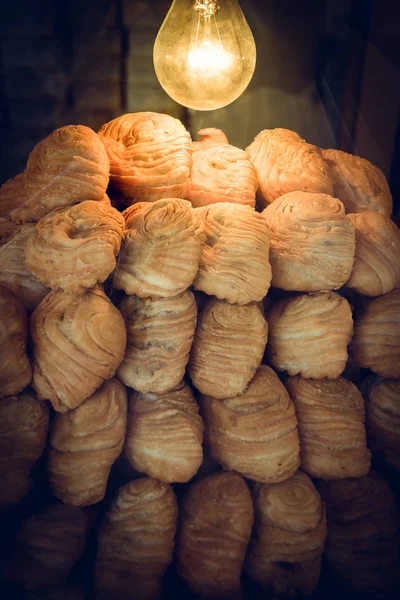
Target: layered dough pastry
[13, 273]
[234, 263]
[68, 166]
[160, 334]
[286, 163]
[216, 517]
[376, 269]
[75, 248]
[24, 422]
[383, 418]
[362, 544]
[376, 341]
[49, 543]
[164, 435]
[84, 443]
[15, 368]
[331, 427]
[254, 433]
[78, 341]
[221, 172]
[161, 251]
[150, 156]
[136, 541]
[228, 347]
[309, 334]
[288, 536]
[358, 184]
[312, 242]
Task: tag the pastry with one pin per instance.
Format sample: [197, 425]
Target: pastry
[228, 347]
[254, 433]
[234, 263]
[136, 541]
[15, 369]
[309, 334]
[150, 156]
[78, 341]
[84, 443]
[288, 536]
[286, 163]
[362, 544]
[160, 334]
[312, 242]
[376, 341]
[161, 249]
[383, 418]
[164, 434]
[221, 172]
[331, 427]
[24, 422]
[358, 184]
[68, 166]
[376, 269]
[75, 248]
[13, 273]
[215, 521]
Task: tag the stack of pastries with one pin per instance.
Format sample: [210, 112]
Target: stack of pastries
[178, 379]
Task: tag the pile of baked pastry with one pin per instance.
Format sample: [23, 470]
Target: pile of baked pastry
[177, 348]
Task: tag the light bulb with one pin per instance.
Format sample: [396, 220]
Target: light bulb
[204, 54]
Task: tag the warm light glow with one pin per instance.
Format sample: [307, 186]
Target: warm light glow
[204, 54]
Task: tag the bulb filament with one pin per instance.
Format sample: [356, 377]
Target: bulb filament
[206, 8]
[208, 56]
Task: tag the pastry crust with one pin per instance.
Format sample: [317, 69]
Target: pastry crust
[150, 156]
[331, 427]
[309, 334]
[215, 523]
[84, 443]
[78, 341]
[228, 347]
[160, 334]
[312, 242]
[164, 435]
[254, 433]
[234, 263]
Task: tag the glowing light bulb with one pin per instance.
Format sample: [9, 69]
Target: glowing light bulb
[204, 54]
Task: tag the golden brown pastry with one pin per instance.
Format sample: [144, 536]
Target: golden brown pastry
[288, 536]
[362, 544]
[49, 544]
[160, 334]
[215, 524]
[150, 156]
[309, 334]
[68, 166]
[383, 418]
[75, 248]
[254, 433]
[228, 347]
[78, 342]
[164, 434]
[15, 369]
[358, 184]
[234, 263]
[221, 172]
[312, 242]
[376, 341]
[331, 427]
[13, 273]
[24, 422]
[376, 269]
[84, 443]
[286, 163]
[161, 251]
[136, 541]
